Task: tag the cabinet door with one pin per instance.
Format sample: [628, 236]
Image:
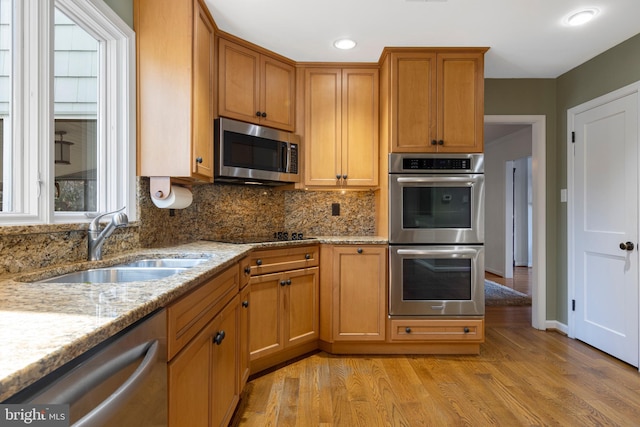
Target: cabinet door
[359, 151]
[460, 102]
[265, 330]
[238, 81]
[413, 101]
[188, 382]
[277, 93]
[224, 343]
[359, 293]
[301, 306]
[244, 337]
[323, 126]
[202, 133]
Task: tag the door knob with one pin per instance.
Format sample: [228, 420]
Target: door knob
[628, 246]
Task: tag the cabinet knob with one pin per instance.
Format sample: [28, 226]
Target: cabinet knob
[338, 176]
[283, 283]
[359, 250]
[219, 337]
[257, 113]
[344, 176]
[434, 142]
[288, 281]
[441, 142]
[307, 256]
[407, 330]
[198, 159]
[466, 330]
[259, 261]
[263, 114]
[245, 304]
[247, 270]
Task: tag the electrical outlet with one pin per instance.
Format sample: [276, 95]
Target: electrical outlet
[335, 209]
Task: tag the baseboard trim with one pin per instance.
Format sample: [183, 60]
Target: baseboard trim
[557, 326]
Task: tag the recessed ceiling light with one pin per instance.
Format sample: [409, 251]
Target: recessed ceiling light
[582, 17]
[344, 44]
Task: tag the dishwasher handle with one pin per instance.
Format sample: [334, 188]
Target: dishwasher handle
[101, 413]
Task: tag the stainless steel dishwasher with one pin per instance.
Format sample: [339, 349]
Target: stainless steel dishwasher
[121, 382]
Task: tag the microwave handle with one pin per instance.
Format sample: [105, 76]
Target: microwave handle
[442, 180]
[437, 251]
[284, 153]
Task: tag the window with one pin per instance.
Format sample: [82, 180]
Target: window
[67, 116]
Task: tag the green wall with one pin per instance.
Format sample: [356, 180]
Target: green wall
[611, 70]
[533, 97]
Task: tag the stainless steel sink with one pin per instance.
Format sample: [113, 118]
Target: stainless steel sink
[134, 271]
[115, 275]
[164, 263]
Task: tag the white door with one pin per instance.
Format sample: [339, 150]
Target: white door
[605, 221]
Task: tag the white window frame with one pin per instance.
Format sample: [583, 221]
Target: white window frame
[32, 118]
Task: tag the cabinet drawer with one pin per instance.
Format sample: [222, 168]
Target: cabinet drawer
[463, 330]
[275, 260]
[187, 316]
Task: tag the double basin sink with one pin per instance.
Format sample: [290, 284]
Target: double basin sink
[134, 271]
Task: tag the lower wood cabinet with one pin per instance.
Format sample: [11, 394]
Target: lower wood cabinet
[354, 295]
[205, 352]
[284, 311]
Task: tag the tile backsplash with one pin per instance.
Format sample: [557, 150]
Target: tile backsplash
[218, 211]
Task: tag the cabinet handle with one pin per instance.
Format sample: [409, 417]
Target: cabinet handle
[466, 330]
[259, 262]
[283, 283]
[247, 270]
[307, 256]
[441, 142]
[219, 337]
[198, 159]
[407, 330]
[434, 142]
[359, 250]
[245, 304]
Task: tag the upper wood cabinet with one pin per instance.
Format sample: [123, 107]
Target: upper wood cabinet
[175, 67]
[255, 87]
[341, 127]
[436, 100]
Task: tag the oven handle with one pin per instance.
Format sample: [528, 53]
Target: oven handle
[438, 179]
[437, 251]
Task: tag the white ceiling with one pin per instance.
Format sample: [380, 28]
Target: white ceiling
[528, 39]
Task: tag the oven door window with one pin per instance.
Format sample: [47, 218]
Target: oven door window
[436, 279]
[436, 207]
[252, 152]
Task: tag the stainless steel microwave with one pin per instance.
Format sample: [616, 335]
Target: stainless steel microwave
[248, 153]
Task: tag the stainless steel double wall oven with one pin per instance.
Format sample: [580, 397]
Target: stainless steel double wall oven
[436, 234]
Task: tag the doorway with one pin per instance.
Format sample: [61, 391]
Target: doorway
[536, 125]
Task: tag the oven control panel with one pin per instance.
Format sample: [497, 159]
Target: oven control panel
[429, 164]
[435, 163]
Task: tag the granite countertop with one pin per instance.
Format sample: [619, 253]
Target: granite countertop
[45, 325]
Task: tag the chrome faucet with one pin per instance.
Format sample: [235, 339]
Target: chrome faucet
[96, 238]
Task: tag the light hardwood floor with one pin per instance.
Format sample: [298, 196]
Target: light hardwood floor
[522, 377]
